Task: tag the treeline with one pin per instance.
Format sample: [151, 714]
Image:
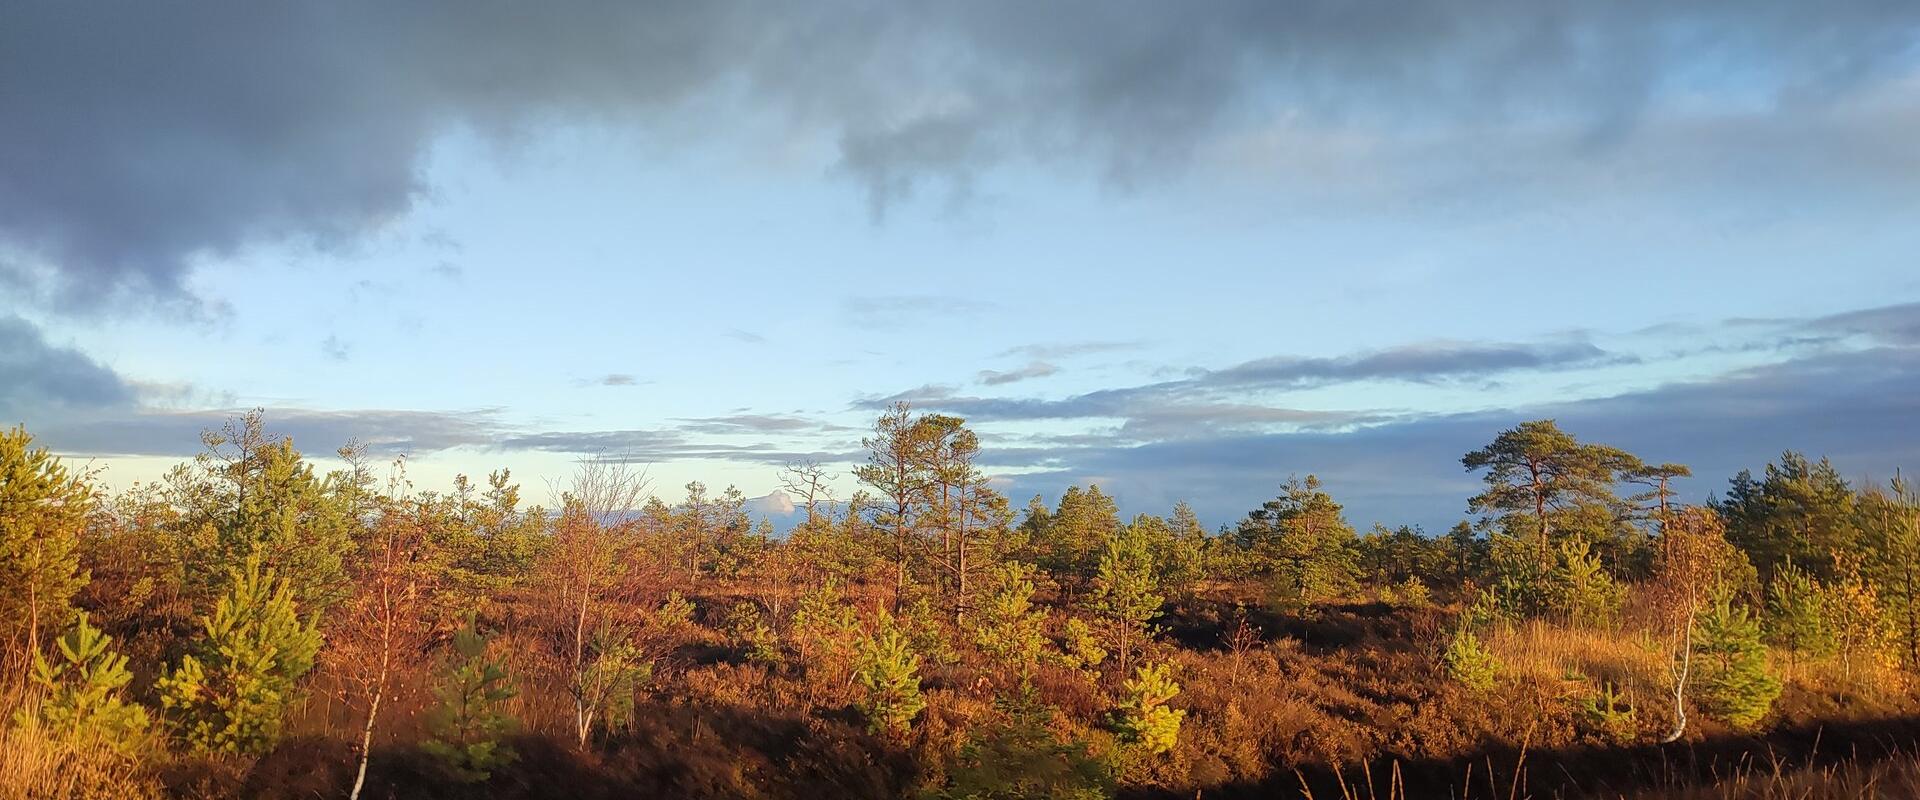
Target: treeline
[950, 645]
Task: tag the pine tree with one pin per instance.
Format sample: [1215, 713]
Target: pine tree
[1734, 683]
[1796, 621]
[1469, 662]
[85, 703]
[888, 671]
[748, 630]
[1008, 627]
[1126, 594]
[1022, 759]
[825, 633]
[468, 724]
[1584, 592]
[230, 693]
[43, 509]
[1800, 511]
[1079, 648]
[1304, 542]
[1143, 717]
[1541, 483]
[1889, 522]
[1853, 615]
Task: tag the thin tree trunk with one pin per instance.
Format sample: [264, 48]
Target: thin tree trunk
[366, 733]
[1680, 684]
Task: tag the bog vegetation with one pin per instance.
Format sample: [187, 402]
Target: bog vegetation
[252, 627]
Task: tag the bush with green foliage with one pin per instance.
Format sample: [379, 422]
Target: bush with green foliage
[1609, 715]
[1796, 617]
[748, 631]
[469, 721]
[888, 671]
[1582, 590]
[43, 509]
[603, 688]
[825, 633]
[1126, 593]
[1022, 759]
[85, 687]
[229, 694]
[927, 632]
[1469, 662]
[1079, 648]
[1008, 627]
[1409, 593]
[1143, 717]
[1734, 682]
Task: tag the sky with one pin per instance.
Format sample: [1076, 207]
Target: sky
[1183, 251]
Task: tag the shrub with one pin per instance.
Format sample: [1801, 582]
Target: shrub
[1410, 593]
[1008, 628]
[1143, 718]
[467, 723]
[825, 633]
[84, 705]
[231, 696]
[1022, 758]
[1582, 589]
[1079, 648]
[1735, 684]
[749, 632]
[1609, 715]
[1469, 662]
[888, 670]
[1796, 618]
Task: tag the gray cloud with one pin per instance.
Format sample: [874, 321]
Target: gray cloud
[1896, 324]
[1421, 363]
[142, 139]
[650, 446]
[36, 374]
[1856, 407]
[1036, 369]
[1213, 401]
[153, 432]
[757, 423]
[617, 379]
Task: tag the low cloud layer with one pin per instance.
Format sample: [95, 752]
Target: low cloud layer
[1213, 401]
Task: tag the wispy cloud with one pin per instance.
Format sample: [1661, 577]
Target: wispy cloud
[1055, 352]
[1036, 369]
[881, 312]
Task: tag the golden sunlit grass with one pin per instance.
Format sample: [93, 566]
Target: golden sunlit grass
[35, 765]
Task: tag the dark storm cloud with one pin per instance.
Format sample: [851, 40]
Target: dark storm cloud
[36, 374]
[141, 138]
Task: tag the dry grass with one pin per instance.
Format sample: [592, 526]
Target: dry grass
[35, 765]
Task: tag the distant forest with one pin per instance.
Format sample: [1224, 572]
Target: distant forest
[251, 626]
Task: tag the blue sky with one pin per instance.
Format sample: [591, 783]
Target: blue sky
[1184, 252]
